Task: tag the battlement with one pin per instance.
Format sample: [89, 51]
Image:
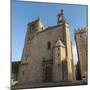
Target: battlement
[80, 30]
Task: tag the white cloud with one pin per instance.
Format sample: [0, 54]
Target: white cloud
[75, 57]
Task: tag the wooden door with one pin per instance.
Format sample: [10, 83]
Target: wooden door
[48, 73]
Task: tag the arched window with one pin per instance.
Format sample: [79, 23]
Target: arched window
[23, 73]
[49, 45]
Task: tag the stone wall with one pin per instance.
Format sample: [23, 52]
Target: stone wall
[37, 51]
[40, 52]
[81, 43]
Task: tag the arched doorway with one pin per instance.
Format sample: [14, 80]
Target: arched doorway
[48, 73]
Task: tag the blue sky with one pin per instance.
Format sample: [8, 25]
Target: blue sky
[24, 12]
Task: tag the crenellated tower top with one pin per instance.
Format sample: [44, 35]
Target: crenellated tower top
[80, 30]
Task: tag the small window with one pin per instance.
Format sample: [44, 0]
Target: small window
[49, 45]
[23, 73]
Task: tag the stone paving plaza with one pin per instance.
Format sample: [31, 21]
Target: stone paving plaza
[48, 84]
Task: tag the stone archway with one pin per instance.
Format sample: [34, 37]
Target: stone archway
[48, 73]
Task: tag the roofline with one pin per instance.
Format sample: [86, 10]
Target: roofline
[51, 28]
[34, 21]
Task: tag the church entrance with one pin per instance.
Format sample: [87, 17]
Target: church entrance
[48, 73]
[47, 70]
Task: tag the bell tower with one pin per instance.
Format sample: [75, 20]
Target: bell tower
[60, 17]
[66, 40]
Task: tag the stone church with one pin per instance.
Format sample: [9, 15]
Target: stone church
[47, 52]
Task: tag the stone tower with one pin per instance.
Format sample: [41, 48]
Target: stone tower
[81, 44]
[60, 62]
[32, 29]
[67, 42]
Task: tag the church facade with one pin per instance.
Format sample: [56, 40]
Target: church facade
[47, 52]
